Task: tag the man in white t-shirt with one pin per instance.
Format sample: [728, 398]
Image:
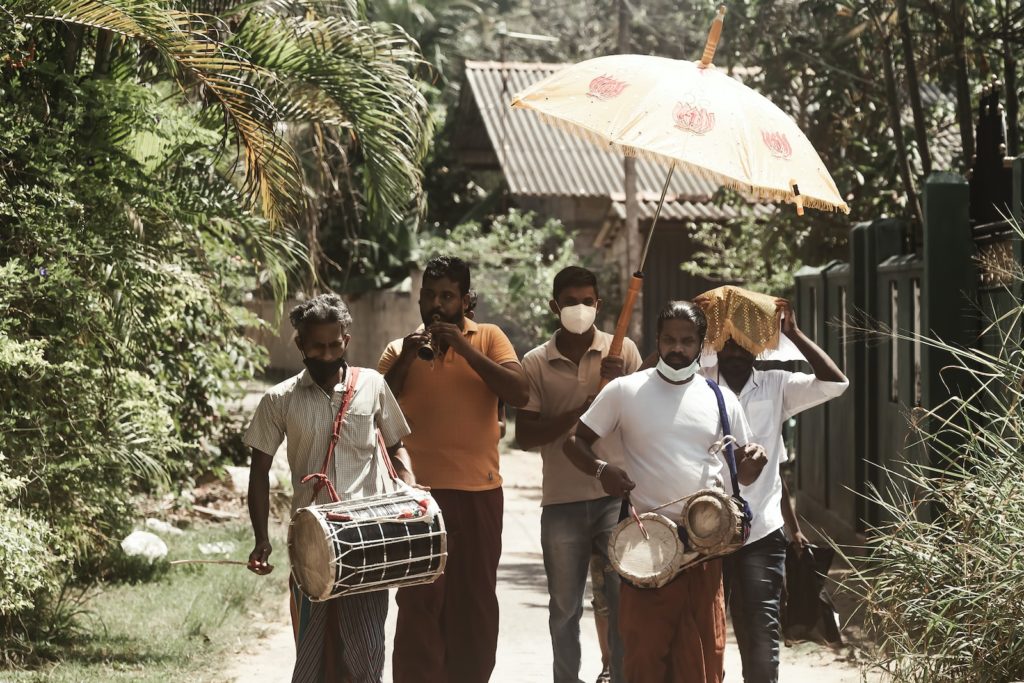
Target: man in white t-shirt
[755, 572]
[669, 421]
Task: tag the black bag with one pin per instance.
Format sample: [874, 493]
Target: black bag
[807, 611]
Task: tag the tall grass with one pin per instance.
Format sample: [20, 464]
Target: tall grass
[943, 581]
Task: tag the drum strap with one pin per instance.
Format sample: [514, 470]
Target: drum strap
[321, 477]
[730, 458]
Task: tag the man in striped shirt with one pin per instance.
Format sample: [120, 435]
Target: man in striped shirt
[342, 639]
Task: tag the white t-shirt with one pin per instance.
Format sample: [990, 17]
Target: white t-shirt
[667, 432]
[769, 398]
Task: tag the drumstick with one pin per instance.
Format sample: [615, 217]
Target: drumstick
[241, 562]
[639, 522]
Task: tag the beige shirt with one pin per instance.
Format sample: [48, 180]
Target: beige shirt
[558, 385]
[304, 413]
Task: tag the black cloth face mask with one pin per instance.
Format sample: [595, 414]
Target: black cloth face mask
[322, 370]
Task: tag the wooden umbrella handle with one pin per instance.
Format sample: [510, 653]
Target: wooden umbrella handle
[636, 285]
[713, 35]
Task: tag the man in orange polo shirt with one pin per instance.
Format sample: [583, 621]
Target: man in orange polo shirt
[448, 630]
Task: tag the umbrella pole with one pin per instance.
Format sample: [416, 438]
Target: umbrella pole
[636, 283]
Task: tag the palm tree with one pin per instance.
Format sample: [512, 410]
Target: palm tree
[268, 67]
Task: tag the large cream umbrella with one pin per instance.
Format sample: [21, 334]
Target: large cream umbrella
[691, 116]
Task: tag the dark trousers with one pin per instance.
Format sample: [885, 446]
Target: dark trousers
[753, 576]
[447, 631]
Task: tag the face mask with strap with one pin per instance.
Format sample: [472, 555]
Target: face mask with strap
[321, 478]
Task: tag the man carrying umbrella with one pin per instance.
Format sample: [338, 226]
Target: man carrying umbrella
[565, 374]
[669, 424]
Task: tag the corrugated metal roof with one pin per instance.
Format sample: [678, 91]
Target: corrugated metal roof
[540, 159]
[689, 211]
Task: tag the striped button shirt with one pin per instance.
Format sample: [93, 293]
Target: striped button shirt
[302, 411]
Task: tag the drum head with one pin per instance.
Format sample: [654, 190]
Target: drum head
[709, 520]
[649, 562]
[310, 556]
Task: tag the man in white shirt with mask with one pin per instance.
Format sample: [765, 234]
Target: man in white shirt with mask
[564, 375]
[669, 422]
[769, 398]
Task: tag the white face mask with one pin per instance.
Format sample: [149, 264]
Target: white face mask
[680, 375]
[577, 319]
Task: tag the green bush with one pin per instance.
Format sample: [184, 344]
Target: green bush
[125, 254]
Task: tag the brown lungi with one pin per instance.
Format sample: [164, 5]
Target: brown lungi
[676, 633]
[447, 631]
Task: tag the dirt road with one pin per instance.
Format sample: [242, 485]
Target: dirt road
[524, 650]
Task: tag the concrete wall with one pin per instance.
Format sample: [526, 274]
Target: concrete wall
[378, 317]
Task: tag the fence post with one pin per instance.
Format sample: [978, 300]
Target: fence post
[870, 244]
[949, 285]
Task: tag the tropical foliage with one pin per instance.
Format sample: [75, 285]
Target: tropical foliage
[158, 165]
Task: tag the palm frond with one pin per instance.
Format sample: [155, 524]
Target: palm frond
[218, 70]
[345, 72]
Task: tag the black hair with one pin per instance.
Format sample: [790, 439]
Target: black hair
[451, 267]
[684, 310]
[573, 276]
[326, 308]
[472, 301]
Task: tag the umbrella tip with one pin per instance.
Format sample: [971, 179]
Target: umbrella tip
[713, 35]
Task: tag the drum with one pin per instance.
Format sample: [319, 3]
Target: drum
[713, 522]
[374, 543]
[648, 561]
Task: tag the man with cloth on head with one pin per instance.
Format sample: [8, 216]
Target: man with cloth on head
[341, 639]
[565, 374]
[671, 429]
[743, 325]
[448, 630]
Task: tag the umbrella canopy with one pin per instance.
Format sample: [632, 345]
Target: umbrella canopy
[689, 115]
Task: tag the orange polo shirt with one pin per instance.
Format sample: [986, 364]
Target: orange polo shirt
[453, 414]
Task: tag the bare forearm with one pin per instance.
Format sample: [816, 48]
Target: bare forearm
[824, 367]
[508, 383]
[581, 454]
[259, 502]
[788, 513]
[396, 374]
[535, 432]
[402, 463]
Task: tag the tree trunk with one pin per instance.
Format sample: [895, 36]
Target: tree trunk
[104, 41]
[72, 47]
[964, 110]
[1010, 78]
[913, 85]
[892, 95]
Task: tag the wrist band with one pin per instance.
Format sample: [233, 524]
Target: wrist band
[601, 464]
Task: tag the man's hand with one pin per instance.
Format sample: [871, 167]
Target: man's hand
[799, 542]
[750, 460]
[612, 367]
[450, 335]
[258, 558]
[616, 482]
[412, 343]
[788, 316]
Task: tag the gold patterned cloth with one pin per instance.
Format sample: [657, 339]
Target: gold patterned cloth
[750, 318]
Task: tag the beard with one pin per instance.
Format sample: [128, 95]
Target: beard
[677, 361]
[428, 318]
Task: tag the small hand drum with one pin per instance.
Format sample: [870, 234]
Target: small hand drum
[713, 522]
[368, 544]
[652, 561]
